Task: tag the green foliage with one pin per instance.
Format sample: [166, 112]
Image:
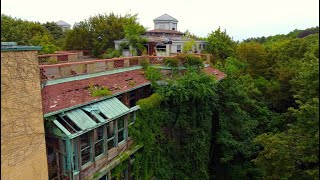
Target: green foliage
[174, 125]
[99, 91]
[256, 56]
[131, 83]
[220, 45]
[153, 73]
[144, 63]
[111, 53]
[133, 32]
[194, 61]
[99, 32]
[188, 46]
[46, 41]
[54, 29]
[79, 38]
[27, 33]
[172, 62]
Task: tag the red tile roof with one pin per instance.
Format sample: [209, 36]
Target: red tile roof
[61, 96]
[212, 71]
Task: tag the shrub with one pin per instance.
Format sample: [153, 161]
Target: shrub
[172, 62]
[194, 61]
[153, 74]
[134, 61]
[181, 57]
[111, 53]
[144, 63]
[52, 61]
[99, 91]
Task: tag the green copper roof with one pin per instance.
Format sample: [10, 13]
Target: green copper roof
[12, 46]
[83, 117]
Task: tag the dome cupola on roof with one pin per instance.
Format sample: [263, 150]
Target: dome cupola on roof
[166, 22]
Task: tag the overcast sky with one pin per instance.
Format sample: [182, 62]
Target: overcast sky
[241, 18]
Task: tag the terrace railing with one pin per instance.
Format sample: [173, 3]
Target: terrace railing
[63, 70]
[62, 57]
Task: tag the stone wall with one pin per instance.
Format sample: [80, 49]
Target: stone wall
[23, 150]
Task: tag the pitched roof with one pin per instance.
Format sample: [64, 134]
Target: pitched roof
[64, 95]
[62, 23]
[165, 17]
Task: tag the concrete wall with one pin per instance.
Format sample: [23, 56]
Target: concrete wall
[23, 150]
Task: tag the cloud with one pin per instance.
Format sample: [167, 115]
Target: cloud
[241, 19]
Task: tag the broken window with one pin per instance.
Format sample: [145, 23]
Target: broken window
[68, 124]
[110, 134]
[120, 129]
[98, 145]
[85, 148]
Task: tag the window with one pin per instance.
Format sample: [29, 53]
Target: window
[161, 48]
[110, 134]
[85, 148]
[98, 145]
[120, 129]
[132, 98]
[173, 29]
[178, 48]
[203, 46]
[131, 118]
[199, 46]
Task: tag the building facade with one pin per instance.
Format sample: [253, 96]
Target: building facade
[53, 127]
[23, 150]
[164, 39]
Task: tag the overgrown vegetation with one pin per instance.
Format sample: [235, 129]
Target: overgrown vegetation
[174, 125]
[99, 91]
[260, 122]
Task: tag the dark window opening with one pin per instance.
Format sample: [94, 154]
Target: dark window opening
[178, 48]
[92, 116]
[173, 29]
[132, 98]
[120, 129]
[110, 135]
[111, 144]
[120, 98]
[66, 122]
[103, 116]
[85, 148]
[98, 147]
[161, 48]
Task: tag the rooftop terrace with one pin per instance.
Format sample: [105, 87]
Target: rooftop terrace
[65, 85]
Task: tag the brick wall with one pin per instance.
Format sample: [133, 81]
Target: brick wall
[23, 151]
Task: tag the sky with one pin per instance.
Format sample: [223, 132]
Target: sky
[240, 18]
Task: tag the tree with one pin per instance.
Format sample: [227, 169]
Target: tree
[79, 38]
[256, 57]
[54, 29]
[220, 45]
[189, 46]
[133, 32]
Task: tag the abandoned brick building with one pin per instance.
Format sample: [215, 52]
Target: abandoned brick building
[68, 133]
